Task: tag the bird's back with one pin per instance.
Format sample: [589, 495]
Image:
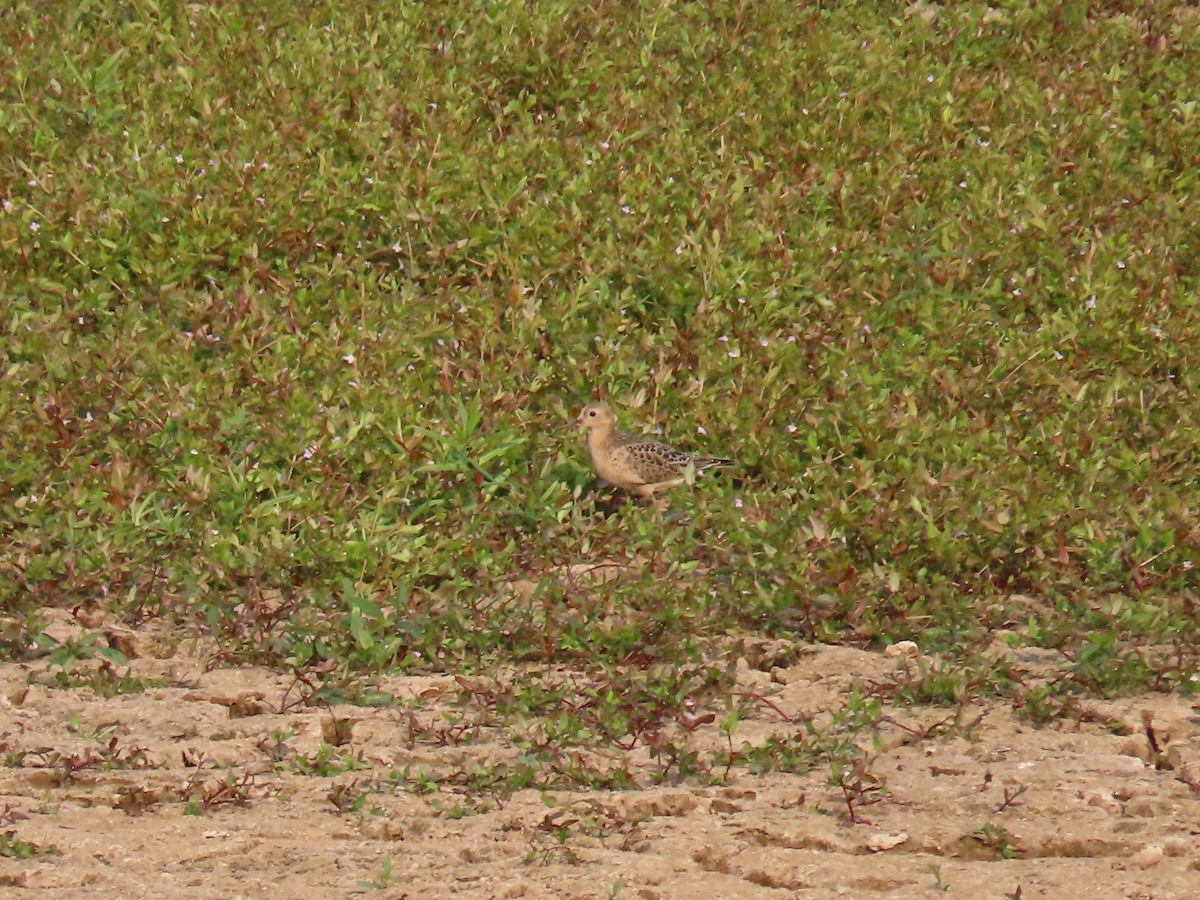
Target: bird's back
[658, 462]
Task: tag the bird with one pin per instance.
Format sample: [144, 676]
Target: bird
[635, 463]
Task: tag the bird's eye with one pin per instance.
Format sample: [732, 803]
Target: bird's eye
[591, 414]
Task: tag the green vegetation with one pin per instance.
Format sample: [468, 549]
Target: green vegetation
[298, 303]
[13, 847]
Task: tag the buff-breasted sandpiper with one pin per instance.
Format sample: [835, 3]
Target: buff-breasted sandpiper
[636, 463]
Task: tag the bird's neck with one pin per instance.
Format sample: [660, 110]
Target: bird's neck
[600, 438]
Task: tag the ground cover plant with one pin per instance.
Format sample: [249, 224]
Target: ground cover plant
[298, 305]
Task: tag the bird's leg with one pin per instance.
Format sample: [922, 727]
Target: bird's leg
[658, 506]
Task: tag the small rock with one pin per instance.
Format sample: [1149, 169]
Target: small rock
[381, 829]
[1177, 846]
[881, 841]
[138, 644]
[784, 676]
[671, 804]
[1116, 765]
[246, 704]
[1150, 855]
[1144, 807]
[1137, 748]
[1104, 799]
[41, 779]
[336, 731]
[906, 649]
[13, 694]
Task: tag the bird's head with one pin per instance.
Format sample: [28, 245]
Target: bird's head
[596, 415]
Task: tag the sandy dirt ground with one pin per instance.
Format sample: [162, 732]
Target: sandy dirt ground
[203, 788]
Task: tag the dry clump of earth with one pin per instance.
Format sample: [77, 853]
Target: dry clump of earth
[219, 783]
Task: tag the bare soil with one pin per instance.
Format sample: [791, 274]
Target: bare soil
[982, 806]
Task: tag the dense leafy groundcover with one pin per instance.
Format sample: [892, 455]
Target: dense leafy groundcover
[299, 302]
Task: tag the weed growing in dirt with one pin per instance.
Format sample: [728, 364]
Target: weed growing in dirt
[67, 764]
[202, 794]
[106, 681]
[327, 761]
[999, 839]
[938, 884]
[384, 879]
[13, 847]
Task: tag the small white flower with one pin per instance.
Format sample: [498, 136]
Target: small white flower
[1120, 264]
[1090, 303]
[792, 429]
[35, 227]
[348, 358]
[178, 157]
[700, 430]
[737, 501]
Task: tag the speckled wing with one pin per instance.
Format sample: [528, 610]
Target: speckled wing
[655, 463]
